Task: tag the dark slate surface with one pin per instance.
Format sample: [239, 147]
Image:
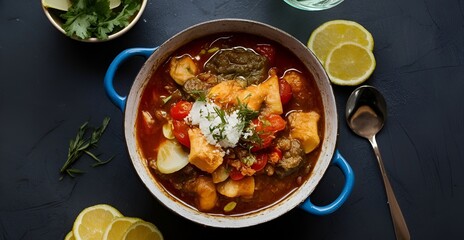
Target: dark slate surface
[50, 85]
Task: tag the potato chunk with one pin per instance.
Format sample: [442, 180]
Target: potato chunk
[236, 188]
[272, 102]
[182, 69]
[303, 126]
[206, 193]
[171, 157]
[202, 154]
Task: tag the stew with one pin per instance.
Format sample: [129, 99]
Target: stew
[230, 123]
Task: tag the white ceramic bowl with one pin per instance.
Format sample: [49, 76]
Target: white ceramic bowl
[57, 22]
[299, 197]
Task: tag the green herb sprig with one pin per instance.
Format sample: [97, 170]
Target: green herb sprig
[245, 114]
[219, 136]
[82, 144]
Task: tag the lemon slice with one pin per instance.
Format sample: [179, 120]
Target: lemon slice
[69, 236]
[92, 222]
[64, 5]
[349, 64]
[330, 34]
[118, 227]
[143, 230]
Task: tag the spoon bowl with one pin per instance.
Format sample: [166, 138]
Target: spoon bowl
[366, 112]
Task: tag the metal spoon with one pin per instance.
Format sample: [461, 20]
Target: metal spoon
[366, 112]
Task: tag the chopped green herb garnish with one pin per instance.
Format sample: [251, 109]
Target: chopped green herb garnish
[94, 18]
[219, 134]
[166, 99]
[199, 95]
[245, 114]
[221, 114]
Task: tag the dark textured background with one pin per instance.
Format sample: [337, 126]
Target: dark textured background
[50, 85]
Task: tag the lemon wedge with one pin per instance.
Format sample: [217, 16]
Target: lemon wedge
[64, 5]
[142, 230]
[330, 34]
[91, 223]
[349, 64]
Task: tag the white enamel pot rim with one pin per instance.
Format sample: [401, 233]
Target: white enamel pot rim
[300, 197]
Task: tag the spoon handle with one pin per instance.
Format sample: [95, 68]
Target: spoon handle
[401, 229]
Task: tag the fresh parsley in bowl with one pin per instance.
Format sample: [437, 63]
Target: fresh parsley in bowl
[93, 20]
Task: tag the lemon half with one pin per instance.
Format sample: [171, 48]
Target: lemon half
[349, 64]
[330, 34]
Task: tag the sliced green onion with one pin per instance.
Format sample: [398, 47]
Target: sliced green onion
[230, 206]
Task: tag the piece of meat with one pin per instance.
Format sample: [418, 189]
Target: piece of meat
[199, 85]
[299, 89]
[292, 156]
[182, 68]
[238, 63]
[303, 126]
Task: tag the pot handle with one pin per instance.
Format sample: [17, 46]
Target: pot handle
[341, 163]
[118, 100]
